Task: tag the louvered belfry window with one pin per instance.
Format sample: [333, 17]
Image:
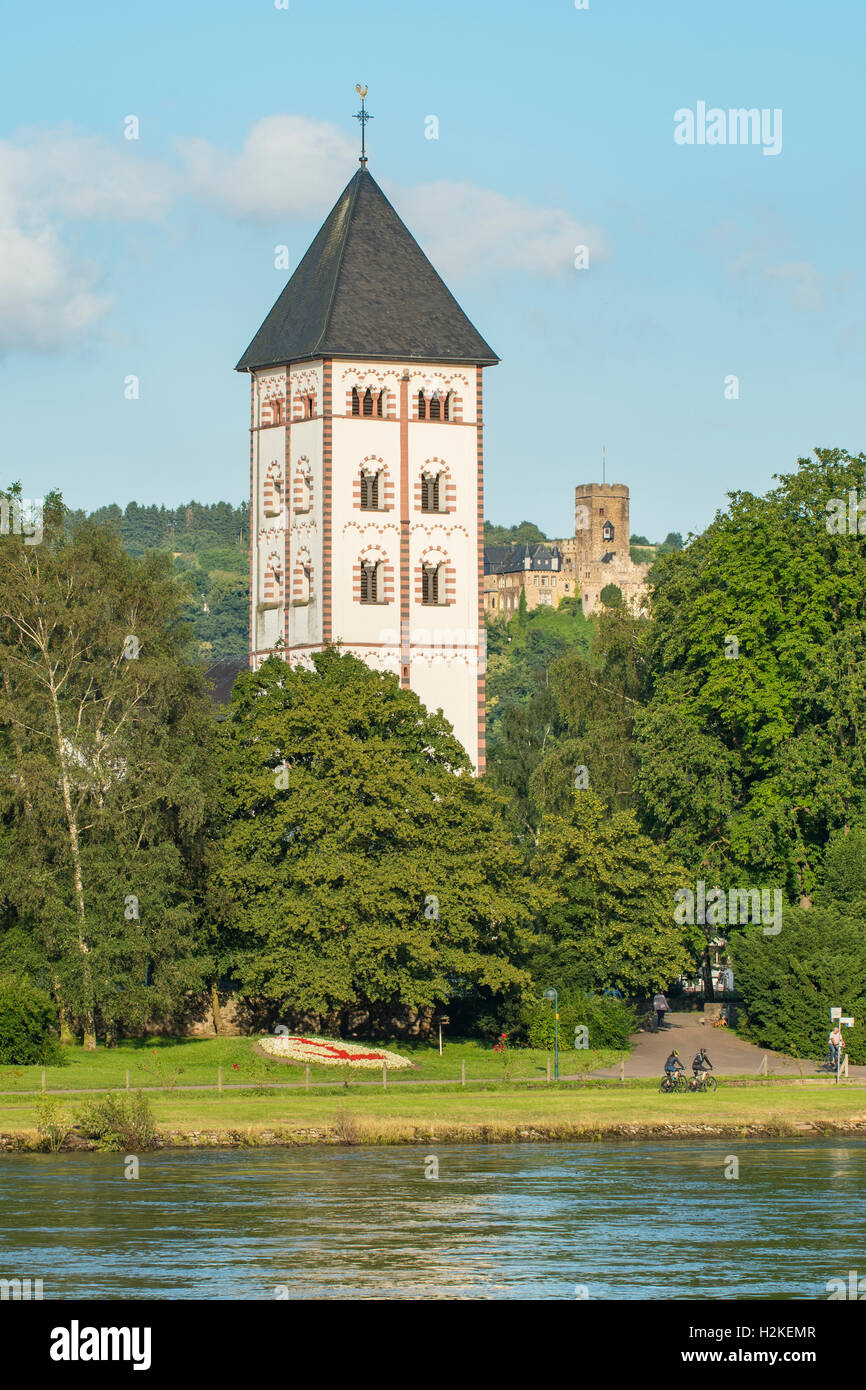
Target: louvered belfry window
[370, 492]
[430, 584]
[446, 411]
[369, 582]
[356, 403]
[422, 406]
[368, 402]
[430, 493]
[380, 404]
[436, 408]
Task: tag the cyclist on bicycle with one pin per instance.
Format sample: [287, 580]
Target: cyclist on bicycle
[701, 1063]
[673, 1064]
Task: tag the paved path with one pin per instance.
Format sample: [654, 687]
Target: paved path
[730, 1055]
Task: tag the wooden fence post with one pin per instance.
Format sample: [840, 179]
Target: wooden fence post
[463, 1072]
[220, 1079]
[43, 1078]
[548, 1071]
[307, 1078]
[762, 1069]
[384, 1076]
[127, 1078]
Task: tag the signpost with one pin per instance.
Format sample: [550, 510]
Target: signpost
[552, 994]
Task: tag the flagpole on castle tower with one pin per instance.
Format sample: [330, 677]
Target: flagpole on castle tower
[603, 465]
[363, 116]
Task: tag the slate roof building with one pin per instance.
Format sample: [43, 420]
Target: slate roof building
[366, 464]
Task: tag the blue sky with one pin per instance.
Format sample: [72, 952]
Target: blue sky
[155, 257]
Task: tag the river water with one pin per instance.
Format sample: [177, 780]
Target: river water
[550, 1221]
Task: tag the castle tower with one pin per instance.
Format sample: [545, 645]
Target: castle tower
[366, 464]
[601, 525]
[600, 554]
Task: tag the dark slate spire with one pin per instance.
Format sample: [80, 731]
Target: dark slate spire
[365, 289]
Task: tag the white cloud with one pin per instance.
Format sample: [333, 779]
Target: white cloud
[753, 255]
[289, 167]
[292, 167]
[470, 230]
[48, 296]
[801, 282]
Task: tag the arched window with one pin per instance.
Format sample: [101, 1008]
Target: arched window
[273, 590]
[370, 581]
[356, 401]
[435, 407]
[430, 584]
[369, 492]
[422, 406]
[309, 407]
[446, 406]
[380, 404]
[368, 402]
[273, 490]
[429, 492]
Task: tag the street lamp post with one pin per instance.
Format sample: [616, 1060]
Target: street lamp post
[552, 994]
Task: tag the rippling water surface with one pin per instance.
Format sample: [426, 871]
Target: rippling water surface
[653, 1221]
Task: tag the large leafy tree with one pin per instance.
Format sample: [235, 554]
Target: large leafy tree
[751, 747]
[597, 696]
[364, 866]
[105, 776]
[607, 897]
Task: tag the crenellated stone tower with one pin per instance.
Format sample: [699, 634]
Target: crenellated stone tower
[366, 464]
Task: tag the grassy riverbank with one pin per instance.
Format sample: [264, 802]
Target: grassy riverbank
[446, 1115]
[179, 1062]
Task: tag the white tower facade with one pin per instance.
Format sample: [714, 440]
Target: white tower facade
[366, 465]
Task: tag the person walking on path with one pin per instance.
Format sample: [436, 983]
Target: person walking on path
[661, 1006]
[835, 1044]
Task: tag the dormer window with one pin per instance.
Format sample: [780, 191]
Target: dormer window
[607, 531]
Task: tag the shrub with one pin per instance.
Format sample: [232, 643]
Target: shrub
[119, 1123]
[609, 1020]
[53, 1122]
[28, 1018]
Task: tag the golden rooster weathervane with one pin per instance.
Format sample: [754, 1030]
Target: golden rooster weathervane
[363, 116]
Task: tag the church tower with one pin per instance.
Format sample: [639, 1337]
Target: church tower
[366, 464]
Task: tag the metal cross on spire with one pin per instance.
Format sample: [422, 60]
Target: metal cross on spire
[363, 116]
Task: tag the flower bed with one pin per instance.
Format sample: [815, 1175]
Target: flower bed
[331, 1052]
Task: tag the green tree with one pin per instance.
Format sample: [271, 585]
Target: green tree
[105, 734]
[611, 596]
[363, 865]
[597, 695]
[791, 981]
[607, 904]
[750, 748]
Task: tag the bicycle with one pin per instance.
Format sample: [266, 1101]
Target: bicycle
[673, 1082]
[703, 1081]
